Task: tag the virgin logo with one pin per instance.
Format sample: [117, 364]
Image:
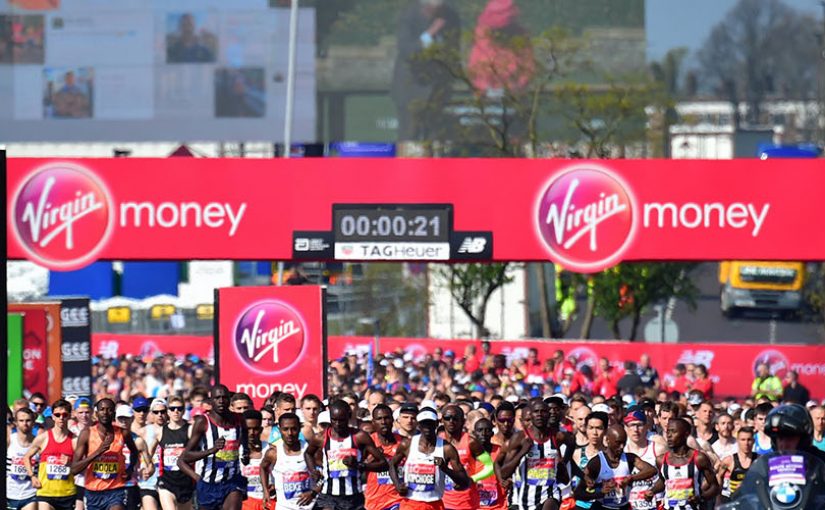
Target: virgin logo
[584, 356]
[269, 337]
[777, 362]
[586, 218]
[62, 216]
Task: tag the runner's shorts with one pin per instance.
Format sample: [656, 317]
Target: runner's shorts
[355, 502]
[18, 504]
[61, 503]
[212, 495]
[104, 500]
[180, 485]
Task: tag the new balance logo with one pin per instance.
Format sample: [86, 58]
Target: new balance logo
[473, 245]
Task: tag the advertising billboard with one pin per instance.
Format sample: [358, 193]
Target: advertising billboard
[271, 339]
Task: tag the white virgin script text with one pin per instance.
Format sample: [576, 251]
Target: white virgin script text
[258, 342]
[54, 219]
[579, 222]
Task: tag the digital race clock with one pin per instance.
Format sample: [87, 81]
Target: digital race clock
[415, 223]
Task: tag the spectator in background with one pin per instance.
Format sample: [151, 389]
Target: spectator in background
[766, 385]
[421, 87]
[471, 361]
[702, 382]
[630, 381]
[678, 380]
[605, 383]
[647, 372]
[794, 391]
[818, 417]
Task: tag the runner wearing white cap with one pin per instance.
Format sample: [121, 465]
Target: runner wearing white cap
[427, 459]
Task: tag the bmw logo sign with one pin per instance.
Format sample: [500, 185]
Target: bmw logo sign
[786, 494]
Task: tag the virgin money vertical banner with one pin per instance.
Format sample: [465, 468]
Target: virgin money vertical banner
[271, 339]
[54, 369]
[76, 332]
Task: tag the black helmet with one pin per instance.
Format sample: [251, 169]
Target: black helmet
[789, 419]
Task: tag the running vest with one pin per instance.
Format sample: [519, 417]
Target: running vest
[733, 479]
[290, 475]
[380, 492]
[575, 481]
[252, 473]
[171, 446]
[467, 499]
[424, 481]
[18, 483]
[55, 468]
[820, 444]
[681, 482]
[537, 473]
[224, 464]
[106, 471]
[340, 480]
[639, 488]
[152, 482]
[275, 435]
[617, 497]
[757, 446]
[132, 481]
[490, 492]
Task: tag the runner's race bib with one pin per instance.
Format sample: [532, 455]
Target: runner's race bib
[296, 484]
[253, 478]
[104, 470]
[18, 470]
[229, 453]
[637, 495]
[57, 467]
[678, 491]
[616, 495]
[488, 492]
[337, 468]
[383, 478]
[171, 454]
[541, 472]
[420, 477]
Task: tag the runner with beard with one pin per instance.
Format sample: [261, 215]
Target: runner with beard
[685, 470]
[53, 481]
[99, 452]
[649, 450]
[472, 456]
[343, 451]
[285, 477]
[380, 492]
[537, 453]
[82, 420]
[609, 475]
[491, 492]
[218, 446]
[175, 485]
[20, 493]
[428, 460]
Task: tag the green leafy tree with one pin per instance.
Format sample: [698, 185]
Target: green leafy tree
[472, 286]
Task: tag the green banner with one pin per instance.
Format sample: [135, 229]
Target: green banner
[14, 321]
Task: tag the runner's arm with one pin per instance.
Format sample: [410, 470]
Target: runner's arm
[313, 446]
[397, 459]
[645, 470]
[587, 490]
[482, 456]
[451, 465]
[82, 461]
[562, 473]
[34, 449]
[713, 489]
[514, 450]
[145, 458]
[134, 453]
[380, 463]
[269, 460]
[191, 453]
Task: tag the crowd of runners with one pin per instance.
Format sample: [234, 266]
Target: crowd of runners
[390, 446]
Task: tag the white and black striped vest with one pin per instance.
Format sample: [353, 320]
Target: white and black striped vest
[537, 473]
[224, 464]
[340, 480]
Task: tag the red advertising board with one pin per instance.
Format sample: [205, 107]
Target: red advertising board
[35, 362]
[107, 345]
[731, 365]
[51, 364]
[584, 214]
[271, 339]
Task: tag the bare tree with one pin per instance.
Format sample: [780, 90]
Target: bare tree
[761, 48]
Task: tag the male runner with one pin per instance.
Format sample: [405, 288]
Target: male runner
[82, 420]
[610, 474]
[818, 417]
[491, 492]
[218, 445]
[380, 493]
[762, 443]
[725, 446]
[405, 420]
[427, 460]
[648, 448]
[20, 493]
[99, 453]
[285, 476]
[310, 408]
[252, 471]
[688, 473]
[475, 460]
[595, 426]
[175, 485]
[284, 403]
[343, 452]
[540, 462]
[734, 467]
[54, 483]
[124, 418]
[149, 498]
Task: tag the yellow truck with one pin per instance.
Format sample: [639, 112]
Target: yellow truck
[775, 287]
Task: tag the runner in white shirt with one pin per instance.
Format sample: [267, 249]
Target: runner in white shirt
[726, 445]
[649, 450]
[20, 493]
[284, 473]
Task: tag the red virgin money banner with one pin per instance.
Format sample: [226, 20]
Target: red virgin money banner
[732, 366]
[271, 338]
[586, 215]
[108, 345]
